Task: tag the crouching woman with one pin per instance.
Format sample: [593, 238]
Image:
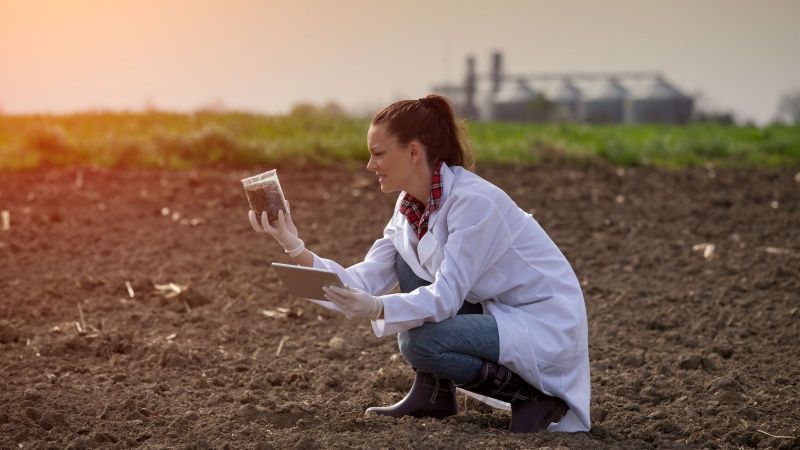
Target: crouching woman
[487, 301]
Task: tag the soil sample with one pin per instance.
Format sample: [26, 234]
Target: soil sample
[264, 193]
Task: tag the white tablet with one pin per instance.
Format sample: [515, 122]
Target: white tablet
[306, 282]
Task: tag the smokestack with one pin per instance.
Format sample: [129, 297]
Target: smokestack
[497, 71]
[470, 88]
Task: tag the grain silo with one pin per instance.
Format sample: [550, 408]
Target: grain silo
[568, 97]
[516, 101]
[654, 100]
[605, 102]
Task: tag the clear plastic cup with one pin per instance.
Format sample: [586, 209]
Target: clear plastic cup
[264, 193]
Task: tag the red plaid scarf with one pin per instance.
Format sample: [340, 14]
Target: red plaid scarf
[416, 212]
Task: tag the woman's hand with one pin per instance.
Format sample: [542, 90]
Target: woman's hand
[355, 302]
[284, 231]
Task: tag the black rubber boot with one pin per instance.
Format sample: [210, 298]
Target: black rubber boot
[429, 397]
[531, 410]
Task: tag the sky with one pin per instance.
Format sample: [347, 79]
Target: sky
[265, 56]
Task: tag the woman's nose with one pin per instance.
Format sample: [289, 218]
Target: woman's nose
[370, 165]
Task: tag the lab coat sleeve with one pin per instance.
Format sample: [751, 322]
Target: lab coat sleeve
[477, 236]
[376, 274]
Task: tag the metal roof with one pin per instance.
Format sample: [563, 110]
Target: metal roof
[586, 89]
[514, 91]
[567, 91]
[653, 89]
[606, 90]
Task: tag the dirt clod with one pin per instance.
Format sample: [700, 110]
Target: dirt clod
[8, 333]
[691, 362]
[50, 419]
[337, 348]
[32, 395]
[249, 411]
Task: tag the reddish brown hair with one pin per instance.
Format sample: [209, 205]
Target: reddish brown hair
[431, 121]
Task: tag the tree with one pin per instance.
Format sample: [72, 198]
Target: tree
[789, 107]
[332, 109]
[303, 109]
[541, 109]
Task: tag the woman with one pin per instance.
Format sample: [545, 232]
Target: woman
[487, 301]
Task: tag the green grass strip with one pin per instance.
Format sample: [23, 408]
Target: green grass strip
[181, 141]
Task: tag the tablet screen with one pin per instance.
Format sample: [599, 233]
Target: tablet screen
[306, 282]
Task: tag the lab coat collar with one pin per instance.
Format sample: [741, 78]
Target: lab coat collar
[416, 252]
[428, 248]
[447, 185]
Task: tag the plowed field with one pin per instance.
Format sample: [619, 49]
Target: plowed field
[690, 278]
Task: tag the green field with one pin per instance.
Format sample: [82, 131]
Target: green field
[157, 139]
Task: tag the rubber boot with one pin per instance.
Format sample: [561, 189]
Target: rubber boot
[429, 397]
[531, 410]
[530, 416]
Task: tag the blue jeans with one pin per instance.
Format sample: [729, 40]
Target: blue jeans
[453, 348]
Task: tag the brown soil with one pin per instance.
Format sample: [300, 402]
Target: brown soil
[686, 351]
[265, 198]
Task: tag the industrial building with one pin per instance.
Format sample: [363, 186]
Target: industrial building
[624, 97]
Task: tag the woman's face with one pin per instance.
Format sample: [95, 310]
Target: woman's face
[388, 159]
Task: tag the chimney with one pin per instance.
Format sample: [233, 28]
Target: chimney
[470, 88]
[497, 71]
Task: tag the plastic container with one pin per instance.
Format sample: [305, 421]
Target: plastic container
[264, 193]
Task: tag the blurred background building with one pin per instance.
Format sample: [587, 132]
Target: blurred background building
[624, 97]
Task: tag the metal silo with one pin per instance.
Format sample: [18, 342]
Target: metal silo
[654, 100]
[516, 101]
[606, 102]
[567, 98]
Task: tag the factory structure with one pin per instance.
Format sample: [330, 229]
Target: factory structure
[625, 97]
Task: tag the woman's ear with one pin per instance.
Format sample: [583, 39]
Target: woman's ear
[417, 153]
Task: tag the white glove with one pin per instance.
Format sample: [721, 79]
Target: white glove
[284, 230]
[355, 302]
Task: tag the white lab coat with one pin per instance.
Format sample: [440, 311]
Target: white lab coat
[480, 245]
